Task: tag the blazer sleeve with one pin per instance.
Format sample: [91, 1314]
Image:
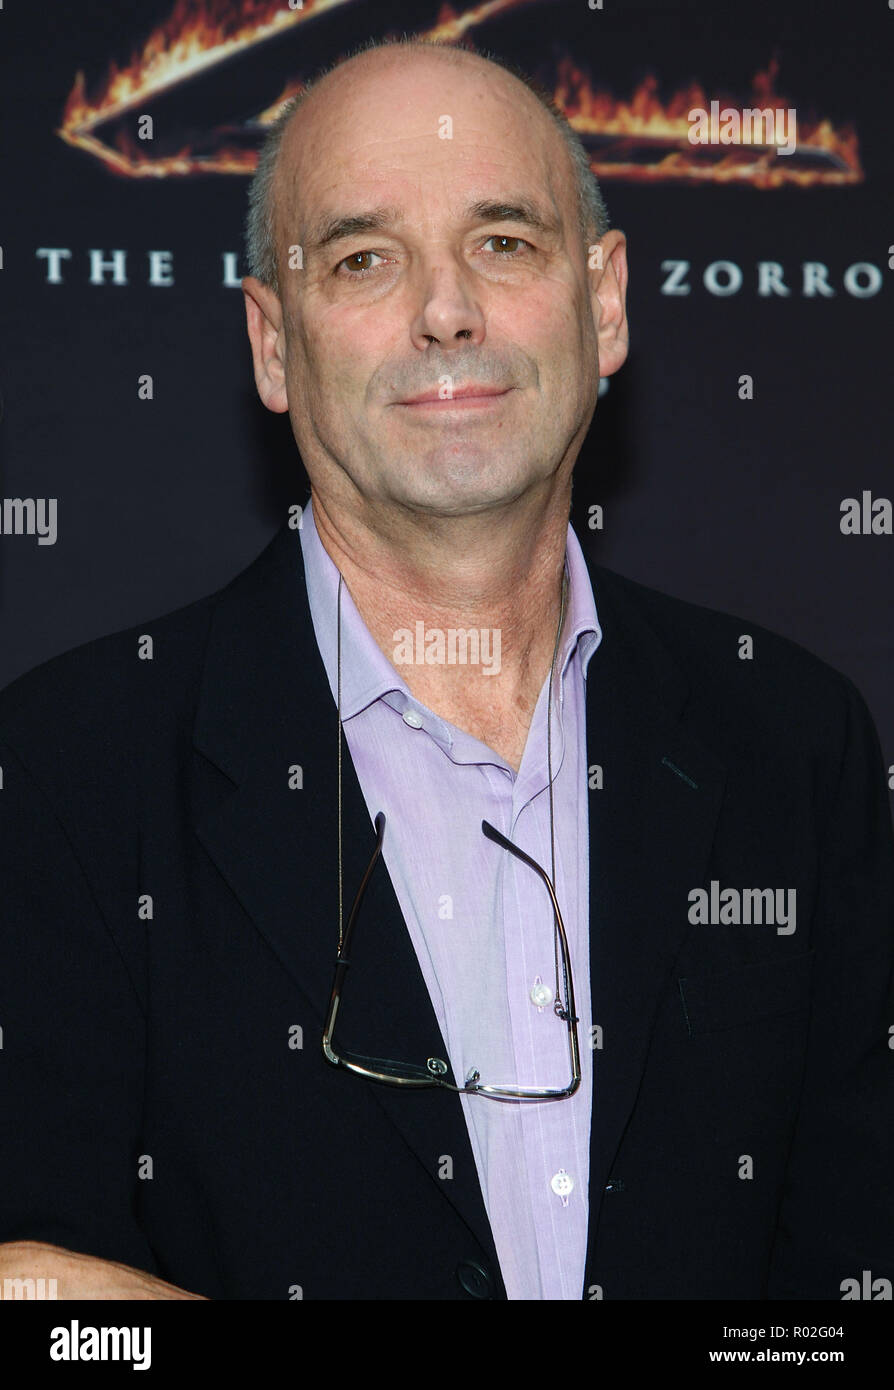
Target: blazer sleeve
[836, 1217]
[72, 1044]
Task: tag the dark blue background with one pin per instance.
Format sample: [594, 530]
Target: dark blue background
[730, 504]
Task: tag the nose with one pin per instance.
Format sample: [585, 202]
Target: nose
[448, 312]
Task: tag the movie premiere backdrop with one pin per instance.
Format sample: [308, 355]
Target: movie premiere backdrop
[741, 459]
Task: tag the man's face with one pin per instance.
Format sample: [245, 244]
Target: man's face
[445, 293]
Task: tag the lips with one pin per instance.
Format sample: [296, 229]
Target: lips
[462, 393]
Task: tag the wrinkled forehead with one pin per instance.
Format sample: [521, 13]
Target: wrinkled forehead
[424, 134]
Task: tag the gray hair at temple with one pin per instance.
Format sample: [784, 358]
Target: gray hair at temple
[260, 234]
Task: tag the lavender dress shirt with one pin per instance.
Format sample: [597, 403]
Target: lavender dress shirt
[480, 922]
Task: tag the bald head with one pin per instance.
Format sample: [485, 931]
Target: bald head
[390, 83]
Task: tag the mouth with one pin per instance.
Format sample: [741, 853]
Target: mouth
[473, 399]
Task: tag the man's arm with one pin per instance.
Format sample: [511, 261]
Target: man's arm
[79, 1276]
[71, 1060]
[836, 1218]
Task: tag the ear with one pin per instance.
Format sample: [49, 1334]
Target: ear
[608, 297]
[263, 313]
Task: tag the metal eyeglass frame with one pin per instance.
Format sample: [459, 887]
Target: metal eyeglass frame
[413, 1076]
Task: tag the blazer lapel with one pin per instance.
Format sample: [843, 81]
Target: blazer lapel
[266, 716]
[651, 829]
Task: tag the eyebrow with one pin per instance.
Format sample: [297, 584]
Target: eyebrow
[516, 209]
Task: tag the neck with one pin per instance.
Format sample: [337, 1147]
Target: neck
[499, 578]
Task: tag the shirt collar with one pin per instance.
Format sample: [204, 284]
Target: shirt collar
[366, 673]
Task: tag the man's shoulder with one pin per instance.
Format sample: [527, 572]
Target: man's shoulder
[111, 693]
[697, 625]
[739, 673]
[107, 678]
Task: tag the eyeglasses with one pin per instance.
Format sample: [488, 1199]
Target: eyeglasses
[414, 1075]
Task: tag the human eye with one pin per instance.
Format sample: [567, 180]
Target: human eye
[505, 254]
[356, 273]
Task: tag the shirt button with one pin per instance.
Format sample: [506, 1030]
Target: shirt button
[562, 1183]
[541, 995]
[412, 718]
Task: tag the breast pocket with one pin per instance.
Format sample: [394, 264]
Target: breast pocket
[712, 1003]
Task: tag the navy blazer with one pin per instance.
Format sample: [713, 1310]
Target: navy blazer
[168, 899]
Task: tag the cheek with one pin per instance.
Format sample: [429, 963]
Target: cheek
[345, 347]
[546, 321]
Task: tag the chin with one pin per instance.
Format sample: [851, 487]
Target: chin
[453, 497]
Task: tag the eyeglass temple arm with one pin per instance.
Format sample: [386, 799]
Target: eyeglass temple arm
[494, 834]
[342, 959]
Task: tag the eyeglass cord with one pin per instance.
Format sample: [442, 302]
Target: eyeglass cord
[559, 1008]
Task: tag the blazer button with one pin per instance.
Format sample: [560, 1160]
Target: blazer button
[475, 1279]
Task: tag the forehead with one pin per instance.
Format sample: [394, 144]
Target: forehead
[426, 133]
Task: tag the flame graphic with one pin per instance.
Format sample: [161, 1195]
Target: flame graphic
[641, 139]
[615, 131]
